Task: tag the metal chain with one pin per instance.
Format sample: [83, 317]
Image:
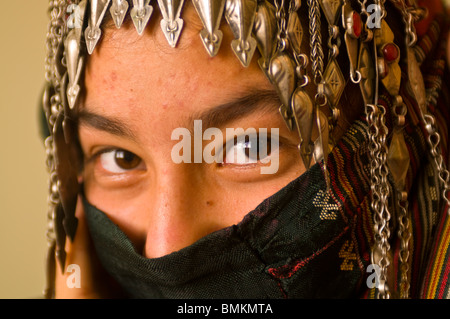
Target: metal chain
[404, 232]
[364, 12]
[375, 116]
[380, 187]
[410, 16]
[55, 33]
[381, 4]
[301, 59]
[281, 21]
[317, 55]
[54, 38]
[365, 16]
[384, 191]
[434, 143]
[334, 43]
[400, 110]
[333, 32]
[53, 197]
[317, 61]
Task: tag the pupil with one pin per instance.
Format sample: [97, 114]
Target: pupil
[256, 150]
[126, 160]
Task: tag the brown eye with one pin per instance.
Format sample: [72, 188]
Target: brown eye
[120, 161]
[126, 160]
[248, 149]
[257, 149]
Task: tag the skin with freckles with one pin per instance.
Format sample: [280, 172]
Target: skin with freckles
[137, 91]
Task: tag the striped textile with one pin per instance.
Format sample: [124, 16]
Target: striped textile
[436, 281]
[429, 259]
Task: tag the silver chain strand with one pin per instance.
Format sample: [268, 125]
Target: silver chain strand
[411, 15]
[317, 55]
[317, 62]
[301, 59]
[434, 136]
[281, 21]
[404, 232]
[380, 188]
[55, 32]
[334, 43]
[380, 192]
[404, 217]
[443, 173]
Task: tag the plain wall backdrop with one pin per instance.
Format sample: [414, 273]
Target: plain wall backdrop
[23, 174]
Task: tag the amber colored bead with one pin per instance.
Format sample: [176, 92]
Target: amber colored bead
[390, 52]
[357, 24]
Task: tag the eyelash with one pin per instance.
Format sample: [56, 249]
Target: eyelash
[114, 152]
[224, 157]
[247, 140]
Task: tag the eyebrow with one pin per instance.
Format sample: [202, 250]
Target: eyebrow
[106, 124]
[255, 100]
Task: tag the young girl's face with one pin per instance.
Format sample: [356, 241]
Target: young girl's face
[139, 91]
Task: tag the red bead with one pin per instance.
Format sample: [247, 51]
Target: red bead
[357, 24]
[390, 52]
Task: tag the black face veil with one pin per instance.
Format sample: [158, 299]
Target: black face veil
[298, 243]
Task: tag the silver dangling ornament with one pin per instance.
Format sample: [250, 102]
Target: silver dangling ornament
[388, 66]
[303, 109]
[367, 71]
[240, 15]
[333, 77]
[93, 31]
[210, 13]
[171, 24]
[282, 74]
[74, 61]
[321, 144]
[302, 106]
[140, 14]
[265, 32]
[331, 9]
[352, 23]
[118, 11]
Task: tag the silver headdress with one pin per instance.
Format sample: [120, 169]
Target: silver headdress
[274, 27]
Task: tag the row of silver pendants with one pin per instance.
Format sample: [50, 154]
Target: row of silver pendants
[253, 25]
[240, 15]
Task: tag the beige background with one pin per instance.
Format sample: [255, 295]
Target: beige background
[23, 175]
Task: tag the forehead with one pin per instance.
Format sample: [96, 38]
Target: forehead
[132, 73]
